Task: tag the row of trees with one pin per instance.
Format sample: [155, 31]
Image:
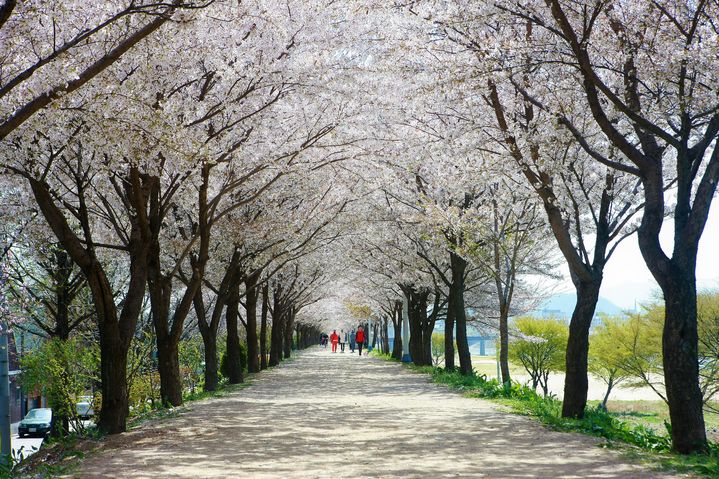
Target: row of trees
[170, 195]
[66, 368]
[579, 109]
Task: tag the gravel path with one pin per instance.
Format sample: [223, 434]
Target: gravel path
[337, 415]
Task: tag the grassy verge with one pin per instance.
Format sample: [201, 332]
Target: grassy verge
[654, 414]
[648, 444]
[650, 413]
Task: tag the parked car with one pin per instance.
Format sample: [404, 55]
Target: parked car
[37, 422]
[84, 407]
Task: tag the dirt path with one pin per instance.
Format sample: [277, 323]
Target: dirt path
[336, 415]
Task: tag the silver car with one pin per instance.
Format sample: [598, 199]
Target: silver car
[84, 407]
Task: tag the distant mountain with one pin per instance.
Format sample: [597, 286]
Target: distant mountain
[562, 305]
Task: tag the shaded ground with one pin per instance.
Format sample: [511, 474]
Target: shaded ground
[337, 415]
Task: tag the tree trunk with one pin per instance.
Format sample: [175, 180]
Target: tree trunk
[610, 385]
[428, 322]
[417, 315]
[397, 325]
[277, 328]
[234, 367]
[504, 346]
[253, 363]
[63, 295]
[677, 279]
[680, 359]
[449, 332]
[113, 377]
[465, 358]
[168, 329]
[576, 382]
[288, 328]
[415, 330]
[543, 381]
[208, 331]
[168, 367]
[211, 378]
[60, 422]
[263, 326]
[385, 336]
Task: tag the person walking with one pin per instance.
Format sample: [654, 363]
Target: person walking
[359, 337]
[334, 339]
[353, 340]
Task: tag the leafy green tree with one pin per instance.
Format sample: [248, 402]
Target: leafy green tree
[708, 324]
[143, 379]
[645, 363]
[638, 347]
[192, 359]
[539, 345]
[64, 371]
[607, 355]
[641, 339]
[437, 349]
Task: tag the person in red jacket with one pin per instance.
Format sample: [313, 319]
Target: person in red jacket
[360, 339]
[334, 339]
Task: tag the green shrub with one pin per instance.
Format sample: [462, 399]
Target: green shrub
[192, 357]
[243, 361]
[63, 371]
[437, 348]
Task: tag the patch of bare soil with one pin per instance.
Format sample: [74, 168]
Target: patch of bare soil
[341, 416]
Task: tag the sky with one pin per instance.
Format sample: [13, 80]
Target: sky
[627, 279]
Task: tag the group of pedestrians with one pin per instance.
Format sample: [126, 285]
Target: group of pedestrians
[355, 340]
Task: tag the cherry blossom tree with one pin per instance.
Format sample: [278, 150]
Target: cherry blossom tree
[647, 74]
[52, 49]
[584, 202]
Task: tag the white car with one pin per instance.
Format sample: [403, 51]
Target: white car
[84, 407]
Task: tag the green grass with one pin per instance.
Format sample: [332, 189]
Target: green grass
[388, 357]
[649, 413]
[654, 414]
[652, 444]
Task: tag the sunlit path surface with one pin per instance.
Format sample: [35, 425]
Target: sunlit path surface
[336, 415]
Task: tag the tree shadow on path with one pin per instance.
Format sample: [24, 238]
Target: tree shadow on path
[339, 415]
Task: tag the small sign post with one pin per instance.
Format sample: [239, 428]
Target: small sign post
[4, 398]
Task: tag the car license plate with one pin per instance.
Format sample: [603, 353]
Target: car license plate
[32, 429]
